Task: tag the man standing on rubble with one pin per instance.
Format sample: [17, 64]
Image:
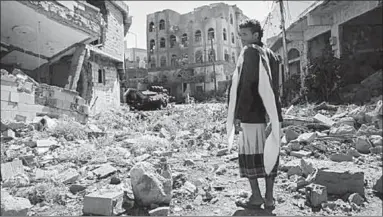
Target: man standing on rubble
[254, 95]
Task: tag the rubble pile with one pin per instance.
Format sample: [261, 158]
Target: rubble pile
[175, 162]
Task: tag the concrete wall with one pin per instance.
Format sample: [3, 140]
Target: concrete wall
[25, 101]
[114, 36]
[106, 94]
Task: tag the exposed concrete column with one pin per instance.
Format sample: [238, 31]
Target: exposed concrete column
[76, 66]
[304, 62]
[335, 39]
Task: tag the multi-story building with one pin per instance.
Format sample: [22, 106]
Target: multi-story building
[188, 52]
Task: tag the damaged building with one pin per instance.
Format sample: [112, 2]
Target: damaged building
[188, 52]
[351, 29]
[70, 55]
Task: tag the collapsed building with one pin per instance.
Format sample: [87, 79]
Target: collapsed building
[61, 57]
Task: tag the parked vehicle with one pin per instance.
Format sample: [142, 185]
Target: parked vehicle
[145, 100]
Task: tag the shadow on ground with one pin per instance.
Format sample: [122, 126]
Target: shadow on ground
[253, 212]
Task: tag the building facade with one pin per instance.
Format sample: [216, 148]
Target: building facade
[353, 30]
[73, 45]
[202, 41]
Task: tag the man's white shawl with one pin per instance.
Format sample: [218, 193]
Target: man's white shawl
[272, 144]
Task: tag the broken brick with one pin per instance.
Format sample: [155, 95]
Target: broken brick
[104, 171]
[68, 176]
[11, 169]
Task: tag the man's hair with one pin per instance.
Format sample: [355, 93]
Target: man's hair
[254, 25]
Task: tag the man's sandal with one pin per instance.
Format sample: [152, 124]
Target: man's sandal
[247, 205]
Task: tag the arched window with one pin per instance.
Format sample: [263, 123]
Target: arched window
[152, 61]
[152, 45]
[172, 41]
[151, 27]
[210, 33]
[231, 19]
[232, 38]
[101, 76]
[162, 24]
[233, 57]
[211, 55]
[227, 56]
[293, 54]
[163, 61]
[198, 57]
[184, 59]
[184, 40]
[224, 35]
[197, 36]
[174, 60]
[162, 43]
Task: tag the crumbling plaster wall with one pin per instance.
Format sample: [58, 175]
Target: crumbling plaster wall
[106, 94]
[114, 35]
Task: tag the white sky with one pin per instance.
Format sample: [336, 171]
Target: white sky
[139, 9]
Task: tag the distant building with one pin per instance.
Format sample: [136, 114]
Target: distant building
[183, 47]
[133, 57]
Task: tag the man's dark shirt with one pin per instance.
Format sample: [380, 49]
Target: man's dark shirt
[249, 107]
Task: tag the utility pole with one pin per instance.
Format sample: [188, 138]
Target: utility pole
[286, 61]
[213, 58]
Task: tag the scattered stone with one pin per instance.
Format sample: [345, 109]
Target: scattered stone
[94, 131]
[190, 187]
[221, 170]
[341, 181]
[14, 206]
[142, 157]
[189, 162]
[19, 180]
[290, 135]
[363, 145]
[115, 180]
[294, 145]
[356, 199]
[307, 168]
[75, 188]
[44, 145]
[324, 120]
[376, 150]
[300, 154]
[315, 195]
[342, 130]
[378, 186]
[104, 202]
[307, 137]
[376, 140]
[222, 152]
[347, 121]
[341, 157]
[320, 146]
[353, 152]
[368, 131]
[104, 171]
[150, 187]
[160, 211]
[11, 169]
[9, 134]
[68, 176]
[294, 171]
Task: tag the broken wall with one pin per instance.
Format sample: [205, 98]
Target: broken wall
[106, 90]
[24, 101]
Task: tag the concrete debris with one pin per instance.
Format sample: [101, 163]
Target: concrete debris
[340, 182]
[300, 154]
[316, 195]
[103, 203]
[104, 171]
[11, 169]
[340, 157]
[363, 144]
[75, 188]
[356, 198]
[14, 206]
[342, 130]
[143, 174]
[378, 186]
[324, 120]
[68, 176]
